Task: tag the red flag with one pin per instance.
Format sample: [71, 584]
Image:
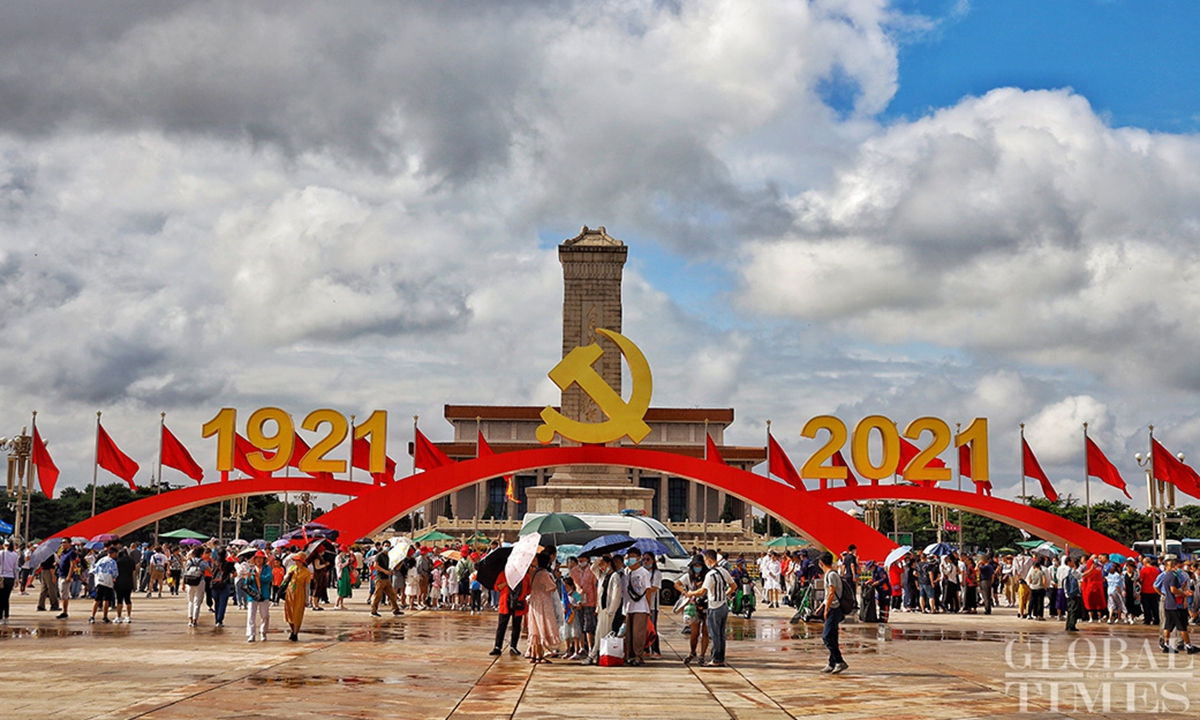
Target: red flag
[710, 450]
[241, 448]
[175, 455]
[1169, 468]
[1099, 466]
[839, 461]
[47, 472]
[360, 457]
[110, 457]
[426, 455]
[964, 468]
[482, 449]
[780, 466]
[1034, 470]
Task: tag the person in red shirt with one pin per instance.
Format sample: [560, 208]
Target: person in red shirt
[1146, 577]
[510, 607]
[896, 578]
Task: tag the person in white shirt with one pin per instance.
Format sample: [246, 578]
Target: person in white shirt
[771, 571]
[636, 607]
[10, 565]
[718, 588]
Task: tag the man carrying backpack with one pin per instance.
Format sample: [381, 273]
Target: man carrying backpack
[718, 587]
[835, 601]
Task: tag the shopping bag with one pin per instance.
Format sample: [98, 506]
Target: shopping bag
[612, 651]
[651, 634]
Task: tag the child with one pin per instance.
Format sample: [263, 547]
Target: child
[1115, 586]
[476, 595]
[571, 625]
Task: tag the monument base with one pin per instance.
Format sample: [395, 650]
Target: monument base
[602, 500]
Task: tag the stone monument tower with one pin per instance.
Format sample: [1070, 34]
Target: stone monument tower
[593, 263]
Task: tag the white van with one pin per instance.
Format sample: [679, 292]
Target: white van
[672, 565]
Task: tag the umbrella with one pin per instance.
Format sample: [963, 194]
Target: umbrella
[247, 552]
[606, 544]
[939, 549]
[522, 556]
[77, 540]
[786, 541]
[94, 546]
[106, 537]
[568, 551]
[260, 544]
[318, 546]
[190, 541]
[311, 531]
[479, 539]
[1047, 549]
[652, 546]
[491, 565]
[896, 554]
[1117, 558]
[1007, 551]
[281, 543]
[554, 523]
[44, 551]
[399, 550]
[452, 555]
[435, 536]
[183, 533]
[238, 543]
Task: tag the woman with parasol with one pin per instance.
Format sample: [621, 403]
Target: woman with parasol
[295, 593]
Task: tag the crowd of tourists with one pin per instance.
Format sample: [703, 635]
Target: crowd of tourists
[592, 609]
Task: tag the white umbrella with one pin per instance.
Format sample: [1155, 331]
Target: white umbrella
[523, 552]
[239, 542]
[399, 550]
[897, 554]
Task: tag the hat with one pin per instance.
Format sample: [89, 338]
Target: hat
[260, 554]
[1170, 557]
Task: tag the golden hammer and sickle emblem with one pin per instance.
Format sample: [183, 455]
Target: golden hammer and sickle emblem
[624, 418]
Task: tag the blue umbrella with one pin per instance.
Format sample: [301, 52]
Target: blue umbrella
[94, 545]
[606, 544]
[652, 546]
[939, 549]
[1117, 557]
[260, 544]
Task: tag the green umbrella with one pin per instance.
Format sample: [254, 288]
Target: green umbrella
[479, 538]
[554, 523]
[786, 541]
[1029, 544]
[435, 536]
[183, 534]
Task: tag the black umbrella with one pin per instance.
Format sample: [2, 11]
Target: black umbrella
[490, 566]
[605, 545]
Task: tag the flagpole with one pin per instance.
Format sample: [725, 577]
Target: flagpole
[95, 463]
[1024, 497]
[766, 513]
[478, 511]
[1087, 486]
[412, 525]
[705, 487]
[162, 426]
[352, 439]
[957, 430]
[29, 484]
[1156, 499]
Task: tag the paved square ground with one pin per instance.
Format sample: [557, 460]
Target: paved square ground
[433, 664]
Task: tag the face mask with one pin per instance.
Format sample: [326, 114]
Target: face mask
[630, 562]
[697, 568]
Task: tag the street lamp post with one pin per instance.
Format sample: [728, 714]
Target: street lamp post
[238, 507]
[1161, 496]
[20, 478]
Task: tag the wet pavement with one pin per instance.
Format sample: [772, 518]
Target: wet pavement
[431, 664]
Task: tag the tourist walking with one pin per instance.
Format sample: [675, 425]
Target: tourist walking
[124, 584]
[105, 573]
[1150, 600]
[834, 589]
[512, 606]
[194, 571]
[344, 566]
[636, 606]
[256, 586]
[717, 589]
[542, 624]
[383, 585]
[223, 573]
[10, 563]
[695, 610]
[608, 603]
[1074, 594]
[296, 584]
[1175, 588]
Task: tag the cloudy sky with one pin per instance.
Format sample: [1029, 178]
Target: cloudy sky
[920, 207]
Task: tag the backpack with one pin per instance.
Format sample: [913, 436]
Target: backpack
[192, 573]
[845, 599]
